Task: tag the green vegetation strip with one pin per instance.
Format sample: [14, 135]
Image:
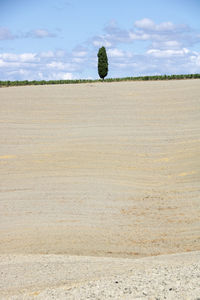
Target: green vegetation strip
[140, 78]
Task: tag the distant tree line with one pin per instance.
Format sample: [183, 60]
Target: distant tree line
[8, 83]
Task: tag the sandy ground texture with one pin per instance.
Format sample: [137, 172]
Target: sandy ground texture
[174, 276]
[106, 170]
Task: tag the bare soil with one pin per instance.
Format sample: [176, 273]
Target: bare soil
[104, 169]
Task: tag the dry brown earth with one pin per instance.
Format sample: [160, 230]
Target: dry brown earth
[108, 169]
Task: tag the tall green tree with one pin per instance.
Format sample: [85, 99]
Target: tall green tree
[102, 63]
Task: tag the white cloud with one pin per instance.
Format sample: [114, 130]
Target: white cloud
[195, 59]
[47, 54]
[56, 65]
[41, 75]
[164, 35]
[154, 61]
[79, 53]
[145, 24]
[59, 65]
[148, 24]
[78, 60]
[2, 63]
[165, 26]
[172, 44]
[56, 76]
[40, 33]
[6, 34]
[8, 65]
[102, 42]
[139, 36]
[9, 56]
[67, 76]
[120, 65]
[25, 57]
[28, 57]
[115, 53]
[60, 53]
[22, 72]
[167, 53]
[39, 66]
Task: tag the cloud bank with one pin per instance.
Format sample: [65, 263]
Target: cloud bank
[6, 34]
[167, 49]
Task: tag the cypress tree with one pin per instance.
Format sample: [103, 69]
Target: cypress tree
[102, 63]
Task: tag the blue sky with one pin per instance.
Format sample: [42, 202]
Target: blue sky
[51, 39]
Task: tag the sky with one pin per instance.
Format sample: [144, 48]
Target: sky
[60, 39]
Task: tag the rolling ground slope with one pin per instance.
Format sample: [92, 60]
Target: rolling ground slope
[100, 169]
[104, 169]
